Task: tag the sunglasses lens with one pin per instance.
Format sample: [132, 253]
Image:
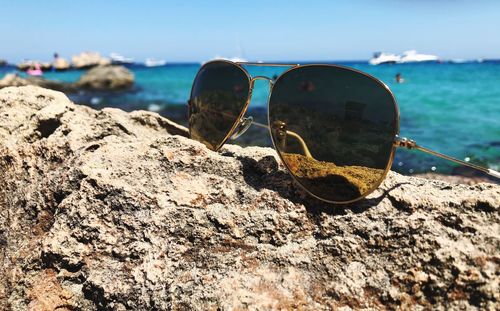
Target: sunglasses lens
[334, 129]
[219, 94]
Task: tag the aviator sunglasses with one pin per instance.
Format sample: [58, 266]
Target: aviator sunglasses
[334, 128]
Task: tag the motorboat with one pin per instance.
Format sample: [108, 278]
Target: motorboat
[384, 58]
[120, 59]
[151, 62]
[413, 57]
[235, 59]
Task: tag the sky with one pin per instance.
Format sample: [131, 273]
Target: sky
[192, 31]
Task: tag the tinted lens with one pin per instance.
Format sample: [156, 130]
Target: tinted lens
[346, 121]
[219, 94]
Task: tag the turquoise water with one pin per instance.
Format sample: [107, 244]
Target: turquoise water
[451, 108]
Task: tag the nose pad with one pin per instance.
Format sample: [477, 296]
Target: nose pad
[242, 127]
[279, 128]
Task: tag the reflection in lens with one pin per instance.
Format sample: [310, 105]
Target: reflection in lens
[219, 94]
[334, 129]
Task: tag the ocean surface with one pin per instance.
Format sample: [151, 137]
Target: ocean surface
[450, 108]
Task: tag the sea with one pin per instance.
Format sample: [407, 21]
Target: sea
[452, 108]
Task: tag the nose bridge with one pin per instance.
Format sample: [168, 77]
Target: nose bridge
[262, 78]
[271, 82]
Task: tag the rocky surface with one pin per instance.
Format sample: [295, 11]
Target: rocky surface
[106, 78]
[89, 59]
[458, 179]
[101, 78]
[107, 210]
[61, 64]
[12, 79]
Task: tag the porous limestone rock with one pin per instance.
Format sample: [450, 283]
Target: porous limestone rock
[107, 210]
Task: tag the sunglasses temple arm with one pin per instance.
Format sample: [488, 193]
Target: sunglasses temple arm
[301, 141]
[411, 144]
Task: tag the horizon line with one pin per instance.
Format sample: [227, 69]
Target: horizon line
[308, 61]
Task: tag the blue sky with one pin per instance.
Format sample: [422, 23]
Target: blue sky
[265, 30]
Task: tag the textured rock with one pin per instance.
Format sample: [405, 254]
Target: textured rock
[89, 59]
[457, 179]
[107, 210]
[12, 79]
[106, 78]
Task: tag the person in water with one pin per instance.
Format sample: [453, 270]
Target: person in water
[35, 70]
[399, 78]
[56, 59]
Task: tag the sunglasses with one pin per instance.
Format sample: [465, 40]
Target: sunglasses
[334, 128]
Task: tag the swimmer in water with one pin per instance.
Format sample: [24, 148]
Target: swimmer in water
[399, 78]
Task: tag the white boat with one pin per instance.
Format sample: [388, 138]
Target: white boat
[235, 59]
[151, 62]
[460, 61]
[384, 58]
[413, 57]
[119, 59]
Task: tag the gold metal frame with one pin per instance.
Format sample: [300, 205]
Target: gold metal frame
[398, 141]
[396, 132]
[243, 111]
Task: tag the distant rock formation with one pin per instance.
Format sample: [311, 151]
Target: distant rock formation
[108, 210]
[3, 62]
[27, 64]
[61, 64]
[106, 78]
[101, 78]
[89, 59]
[81, 61]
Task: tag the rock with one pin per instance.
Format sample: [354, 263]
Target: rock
[27, 64]
[89, 59]
[3, 63]
[456, 179]
[12, 79]
[106, 78]
[61, 64]
[15, 80]
[107, 210]
[102, 78]
[65, 87]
